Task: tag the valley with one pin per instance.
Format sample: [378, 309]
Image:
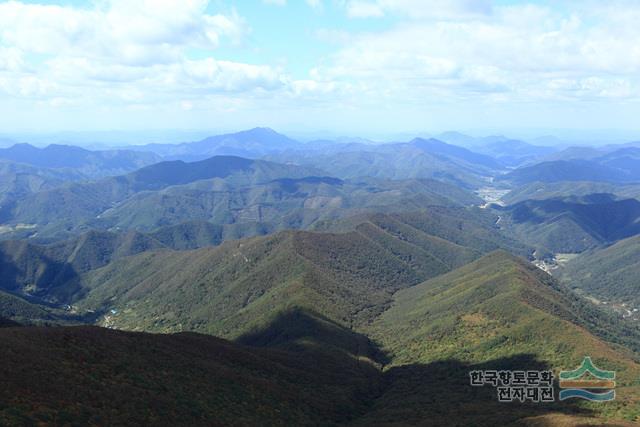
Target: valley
[322, 213]
[385, 282]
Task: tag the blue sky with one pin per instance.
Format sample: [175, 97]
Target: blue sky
[357, 67]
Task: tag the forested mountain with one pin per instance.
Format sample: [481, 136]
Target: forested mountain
[541, 190]
[78, 206]
[610, 274]
[618, 166]
[418, 158]
[378, 275]
[350, 273]
[571, 224]
[502, 312]
[243, 197]
[299, 367]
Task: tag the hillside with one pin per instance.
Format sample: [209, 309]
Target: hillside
[571, 224]
[498, 311]
[348, 277]
[241, 285]
[467, 227]
[95, 376]
[19, 310]
[19, 180]
[610, 274]
[276, 205]
[6, 323]
[247, 198]
[619, 166]
[76, 207]
[44, 270]
[540, 190]
[419, 158]
[566, 170]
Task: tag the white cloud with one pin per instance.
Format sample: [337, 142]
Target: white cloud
[468, 49]
[11, 59]
[364, 9]
[122, 51]
[275, 2]
[419, 9]
[143, 55]
[132, 32]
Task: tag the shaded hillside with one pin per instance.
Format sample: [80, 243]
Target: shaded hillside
[86, 163]
[94, 376]
[43, 270]
[6, 323]
[320, 374]
[571, 224]
[499, 307]
[20, 310]
[610, 274]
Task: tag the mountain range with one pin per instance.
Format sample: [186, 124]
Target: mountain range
[252, 279]
[83, 163]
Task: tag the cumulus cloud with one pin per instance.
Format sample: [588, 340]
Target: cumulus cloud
[465, 49]
[146, 54]
[122, 50]
[139, 32]
[11, 59]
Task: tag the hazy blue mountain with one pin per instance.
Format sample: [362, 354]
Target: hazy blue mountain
[619, 165]
[252, 143]
[19, 180]
[507, 151]
[567, 170]
[419, 158]
[513, 152]
[86, 163]
[435, 146]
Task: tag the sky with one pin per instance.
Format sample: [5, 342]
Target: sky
[357, 67]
